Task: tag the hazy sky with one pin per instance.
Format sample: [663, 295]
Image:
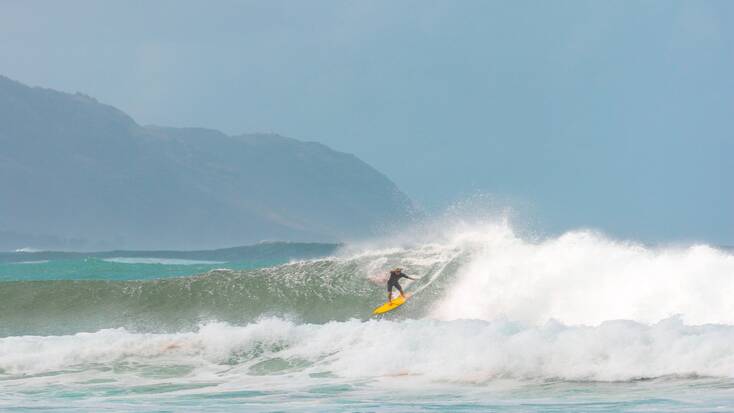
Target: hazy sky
[614, 115]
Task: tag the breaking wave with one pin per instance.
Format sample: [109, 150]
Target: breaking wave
[463, 351]
[490, 304]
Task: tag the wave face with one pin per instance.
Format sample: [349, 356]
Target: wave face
[484, 274]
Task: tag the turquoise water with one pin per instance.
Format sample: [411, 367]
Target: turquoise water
[142, 265]
[579, 323]
[117, 268]
[366, 396]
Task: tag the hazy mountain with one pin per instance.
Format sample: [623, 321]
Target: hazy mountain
[81, 174]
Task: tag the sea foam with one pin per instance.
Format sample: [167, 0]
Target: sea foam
[461, 351]
[583, 277]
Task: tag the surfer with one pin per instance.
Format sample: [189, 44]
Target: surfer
[395, 276]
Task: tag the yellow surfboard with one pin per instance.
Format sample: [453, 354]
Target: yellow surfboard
[396, 302]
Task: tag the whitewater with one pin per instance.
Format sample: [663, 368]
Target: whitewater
[499, 322]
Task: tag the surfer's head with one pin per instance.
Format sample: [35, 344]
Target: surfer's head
[397, 270]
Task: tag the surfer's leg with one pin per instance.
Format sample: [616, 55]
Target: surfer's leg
[397, 285]
[389, 292]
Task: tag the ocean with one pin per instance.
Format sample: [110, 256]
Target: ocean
[498, 322]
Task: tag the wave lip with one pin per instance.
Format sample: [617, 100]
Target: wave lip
[585, 278]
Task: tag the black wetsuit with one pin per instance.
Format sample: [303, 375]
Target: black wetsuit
[393, 281]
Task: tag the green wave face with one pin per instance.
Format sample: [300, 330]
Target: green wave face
[313, 291]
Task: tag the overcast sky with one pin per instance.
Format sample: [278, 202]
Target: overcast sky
[610, 115]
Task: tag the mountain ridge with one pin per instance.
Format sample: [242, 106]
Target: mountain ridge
[78, 169]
